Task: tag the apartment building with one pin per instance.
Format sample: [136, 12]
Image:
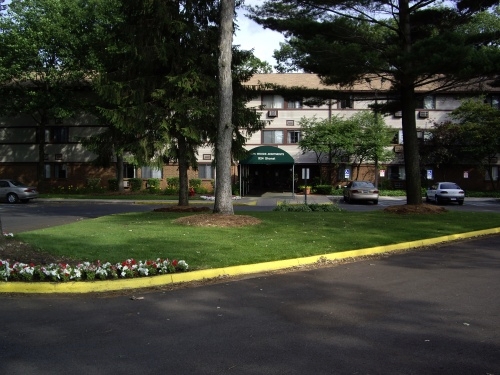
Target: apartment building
[275, 161]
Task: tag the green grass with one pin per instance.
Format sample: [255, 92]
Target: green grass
[281, 235]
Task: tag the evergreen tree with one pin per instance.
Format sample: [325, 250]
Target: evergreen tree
[414, 44]
[42, 65]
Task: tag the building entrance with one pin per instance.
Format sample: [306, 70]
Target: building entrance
[267, 169]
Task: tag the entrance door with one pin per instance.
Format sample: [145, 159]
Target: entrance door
[269, 178]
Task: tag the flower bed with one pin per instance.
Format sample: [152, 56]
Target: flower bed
[86, 271]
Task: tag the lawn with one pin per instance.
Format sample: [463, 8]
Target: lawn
[280, 235]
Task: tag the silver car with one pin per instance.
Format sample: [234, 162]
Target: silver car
[15, 191]
[360, 190]
[445, 192]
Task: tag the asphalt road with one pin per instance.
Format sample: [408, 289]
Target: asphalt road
[432, 311]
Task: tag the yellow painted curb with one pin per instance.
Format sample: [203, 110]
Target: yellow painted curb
[183, 277]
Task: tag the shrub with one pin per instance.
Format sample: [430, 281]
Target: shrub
[154, 185]
[323, 189]
[195, 183]
[135, 184]
[93, 184]
[173, 183]
[201, 190]
[113, 184]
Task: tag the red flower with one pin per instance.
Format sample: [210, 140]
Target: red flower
[174, 263]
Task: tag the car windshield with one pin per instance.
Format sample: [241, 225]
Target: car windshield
[450, 186]
[363, 184]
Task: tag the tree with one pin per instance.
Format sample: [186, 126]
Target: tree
[257, 65]
[374, 138]
[223, 193]
[41, 64]
[412, 43]
[158, 79]
[331, 140]
[473, 138]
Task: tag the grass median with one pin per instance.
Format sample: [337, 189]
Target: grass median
[280, 235]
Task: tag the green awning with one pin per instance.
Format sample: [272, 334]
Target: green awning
[268, 155]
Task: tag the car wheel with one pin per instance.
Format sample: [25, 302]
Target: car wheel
[427, 199]
[460, 203]
[375, 201]
[437, 200]
[12, 198]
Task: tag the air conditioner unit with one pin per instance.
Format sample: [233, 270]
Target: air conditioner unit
[423, 114]
[398, 114]
[126, 183]
[272, 113]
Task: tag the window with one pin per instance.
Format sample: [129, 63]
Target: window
[494, 174]
[293, 104]
[149, 172]
[57, 134]
[427, 102]
[205, 171]
[128, 171]
[60, 171]
[272, 101]
[293, 137]
[345, 103]
[56, 170]
[493, 100]
[272, 136]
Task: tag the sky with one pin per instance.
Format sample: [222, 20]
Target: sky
[253, 36]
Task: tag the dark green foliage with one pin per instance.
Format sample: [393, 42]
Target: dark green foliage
[113, 184]
[135, 184]
[173, 182]
[195, 183]
[153, 185]
[409, 44]
[323, 189]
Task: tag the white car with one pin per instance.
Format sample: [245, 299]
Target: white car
[445, 192]
[15, 191]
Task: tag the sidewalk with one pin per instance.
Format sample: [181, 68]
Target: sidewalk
[272, 199]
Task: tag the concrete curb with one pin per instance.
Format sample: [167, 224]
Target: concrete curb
[78, 287]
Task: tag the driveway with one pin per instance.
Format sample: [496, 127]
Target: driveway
[432, 311]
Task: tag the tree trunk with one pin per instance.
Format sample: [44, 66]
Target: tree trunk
[41, 154]
[2, 237]
[223, 194]
[409, 122]
[183, 172]
[119, 171]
